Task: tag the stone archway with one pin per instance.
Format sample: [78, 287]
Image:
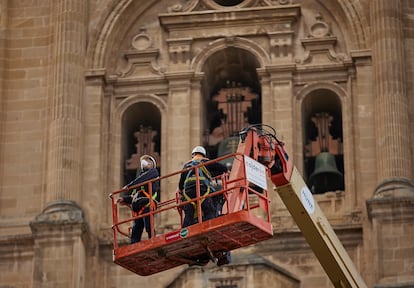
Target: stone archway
[118, 129]
[232, 97]
[119, 15]
[344, 104]
[229, 66]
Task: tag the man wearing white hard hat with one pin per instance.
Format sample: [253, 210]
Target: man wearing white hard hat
[187, 186]
[139, 199]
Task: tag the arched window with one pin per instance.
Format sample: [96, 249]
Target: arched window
[232, 97]
[141, 129]
[228, 2]
[323, 149]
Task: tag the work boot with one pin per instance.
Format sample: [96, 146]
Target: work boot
[224, 258]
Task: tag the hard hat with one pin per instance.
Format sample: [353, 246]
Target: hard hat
[145, 162]
[199, 149]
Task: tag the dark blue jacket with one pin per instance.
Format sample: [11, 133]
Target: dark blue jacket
[215, 169]
[142, 177]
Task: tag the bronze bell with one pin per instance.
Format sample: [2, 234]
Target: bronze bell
[326, 176]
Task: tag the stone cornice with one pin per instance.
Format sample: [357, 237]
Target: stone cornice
[179, 75]
[256, 16]
[391, 209]
[21, 239]
[337, 72]
[98, 72]
[361, 57]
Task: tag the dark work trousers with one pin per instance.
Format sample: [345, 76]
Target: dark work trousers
[207, 207]
[138, 227]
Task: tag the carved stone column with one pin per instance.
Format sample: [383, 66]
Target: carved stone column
[394, 168]
[391, 207]
[59, 231]
[65, 101]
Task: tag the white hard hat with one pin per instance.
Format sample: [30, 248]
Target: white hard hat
[199, 149]
[144, 163]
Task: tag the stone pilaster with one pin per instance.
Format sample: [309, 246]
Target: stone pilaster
[197, 111]
[179, 128]
[280, 107]
[3, 33]
[267, 113]
[179, 119]
[394, 167]
[96, 133]
[60, 240]
[67, 81]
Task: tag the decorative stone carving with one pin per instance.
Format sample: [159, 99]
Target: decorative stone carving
[175, 8]
[320, 44]
[191, 27]
[281, 45]
[141, 41]
[320, 28]
[141, 64]
[187, 7]
[354, 217]
[277, 2]
[142, 58]
[201, 5]
[179, 50]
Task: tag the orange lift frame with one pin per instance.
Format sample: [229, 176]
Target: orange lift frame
[249, 225]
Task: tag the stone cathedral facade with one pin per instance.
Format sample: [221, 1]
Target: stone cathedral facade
[87, 86]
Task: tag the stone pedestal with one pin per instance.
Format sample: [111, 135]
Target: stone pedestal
[392, 224]
[60, 236]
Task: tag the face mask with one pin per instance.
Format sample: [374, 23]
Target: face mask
[144, 164]
[197, 156]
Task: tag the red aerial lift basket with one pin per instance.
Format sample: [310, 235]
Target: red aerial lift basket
[245, 220]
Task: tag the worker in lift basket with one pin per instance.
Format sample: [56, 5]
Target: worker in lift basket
[187, 187]
[139, 199]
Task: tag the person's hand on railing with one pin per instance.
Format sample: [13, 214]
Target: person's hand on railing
[121, 201]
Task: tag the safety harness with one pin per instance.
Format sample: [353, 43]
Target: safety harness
[150, 203]
[204, 177]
